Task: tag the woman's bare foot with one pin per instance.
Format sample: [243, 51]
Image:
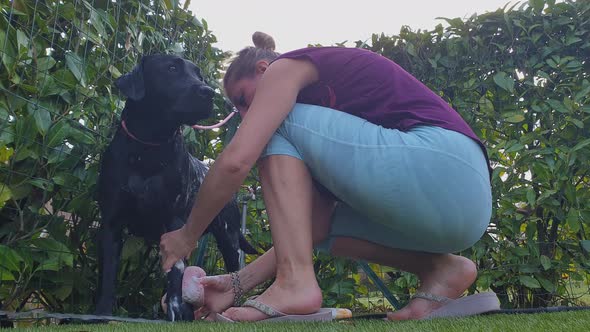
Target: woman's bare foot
[290, 297]
[450, 276]
[219, 294]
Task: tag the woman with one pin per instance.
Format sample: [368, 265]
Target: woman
[355, 156]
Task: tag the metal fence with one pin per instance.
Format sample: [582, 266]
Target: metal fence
[57, 113]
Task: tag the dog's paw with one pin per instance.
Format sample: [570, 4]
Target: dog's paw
[192, 290]
[178, 311]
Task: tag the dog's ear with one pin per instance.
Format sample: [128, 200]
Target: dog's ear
[131, 84]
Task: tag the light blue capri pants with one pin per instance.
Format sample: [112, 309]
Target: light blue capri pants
[426, 189]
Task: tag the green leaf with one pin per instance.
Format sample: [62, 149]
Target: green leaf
[21, 190]
[197, 22]
[574, 65]
[132, 247]
[114, 71]
[58, 133]
[547, 285]
[5, 195]
[529, 282]
[486, 106]
[582, 94]
[8, 53]
[5, 153]
[576, 122]
[572, 40]
[530, 197]
[58, 153]
[49, 87]
[6, 275]
[76, 66]
[545, 262]
[573, 220]
[411, 49]
[67, 11]
[515, 118]
[82, 136]
[504, 81]
[63, 292]
[11, 260]
[484, 281]
[4, 113]
[41, 116]
[6, 133]
[65, 179]
[520, 251]
[528, 268]
[581, 145]
[585, 244]
[22, 40]
[65, 78]
[537, 4]
[43, 184]
[45, 63]
[557, 105]
[97, 23]
[59, 254]
[515, 148]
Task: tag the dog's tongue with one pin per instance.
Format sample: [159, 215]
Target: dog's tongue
[192, 290]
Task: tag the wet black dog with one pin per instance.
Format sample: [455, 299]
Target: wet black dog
[148, 180]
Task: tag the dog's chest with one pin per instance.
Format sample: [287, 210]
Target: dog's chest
[147, 165]
[161, 185]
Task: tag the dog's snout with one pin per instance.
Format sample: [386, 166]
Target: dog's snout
[205, 91]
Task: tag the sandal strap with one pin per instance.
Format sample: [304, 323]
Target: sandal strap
[431, 297]
[264, 308]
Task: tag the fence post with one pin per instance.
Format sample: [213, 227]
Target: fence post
[244, 200]
[377, 281]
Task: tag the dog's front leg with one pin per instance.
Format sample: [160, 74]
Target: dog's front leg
[109, 255]
[177, 309]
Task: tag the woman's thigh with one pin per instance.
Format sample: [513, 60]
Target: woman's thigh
[426, 189]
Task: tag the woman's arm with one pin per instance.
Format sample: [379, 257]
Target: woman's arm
[276, 94]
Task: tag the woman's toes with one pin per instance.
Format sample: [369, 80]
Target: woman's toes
[244, 314]
[402, 314]
[416, 309]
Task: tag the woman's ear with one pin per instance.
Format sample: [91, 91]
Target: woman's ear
[261, 66]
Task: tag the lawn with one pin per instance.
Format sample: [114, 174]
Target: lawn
[562, 321]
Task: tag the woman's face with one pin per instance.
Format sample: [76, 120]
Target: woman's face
[241, 92]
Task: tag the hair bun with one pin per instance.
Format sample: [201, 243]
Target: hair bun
[264, 41]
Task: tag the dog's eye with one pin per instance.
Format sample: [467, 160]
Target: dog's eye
[172, 68]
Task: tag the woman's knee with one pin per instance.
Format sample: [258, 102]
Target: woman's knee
[322, 211]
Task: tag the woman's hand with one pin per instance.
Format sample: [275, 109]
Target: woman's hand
[174, 246]
[219, 295]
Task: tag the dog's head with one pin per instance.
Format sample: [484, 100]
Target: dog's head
[170, 86]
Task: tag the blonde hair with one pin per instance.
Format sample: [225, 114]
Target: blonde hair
[244, 64]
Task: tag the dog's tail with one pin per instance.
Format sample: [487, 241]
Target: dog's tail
[247, 247]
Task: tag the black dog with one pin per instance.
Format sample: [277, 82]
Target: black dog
[148, 180]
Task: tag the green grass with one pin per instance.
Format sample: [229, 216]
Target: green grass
[564, 321]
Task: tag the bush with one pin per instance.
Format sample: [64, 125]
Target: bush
[58, 111]
[521, 79]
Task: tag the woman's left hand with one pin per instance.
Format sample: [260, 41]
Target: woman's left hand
[174, 246]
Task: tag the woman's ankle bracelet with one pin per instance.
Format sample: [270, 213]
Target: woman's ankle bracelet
[238, 291]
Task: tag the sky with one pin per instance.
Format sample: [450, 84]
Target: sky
[295, 24]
